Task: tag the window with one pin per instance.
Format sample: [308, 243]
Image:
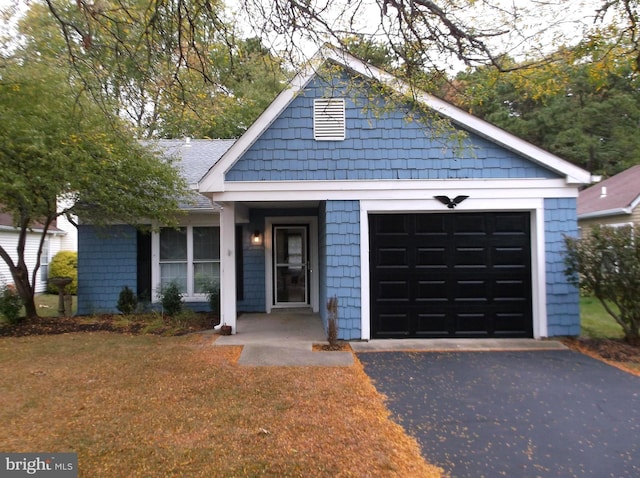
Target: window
[190, 257]
[329, 119]
[44, 261]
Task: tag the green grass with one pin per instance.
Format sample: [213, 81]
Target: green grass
[47, 305]
[596, 322]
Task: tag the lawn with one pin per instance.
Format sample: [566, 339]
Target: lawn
[143, 405]
[47, 305]
[596, 322]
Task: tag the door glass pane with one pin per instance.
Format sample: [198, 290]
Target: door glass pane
[291, 264]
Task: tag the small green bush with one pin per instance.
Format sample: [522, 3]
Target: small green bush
[64, 264]
[127, 301]
[10, 303]
[171, 299]
[212, 290]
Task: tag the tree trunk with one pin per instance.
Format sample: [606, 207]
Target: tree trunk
[20, 276]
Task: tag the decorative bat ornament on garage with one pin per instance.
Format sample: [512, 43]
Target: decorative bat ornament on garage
[450, 203]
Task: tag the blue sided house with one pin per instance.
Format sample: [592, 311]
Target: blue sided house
[346, 187]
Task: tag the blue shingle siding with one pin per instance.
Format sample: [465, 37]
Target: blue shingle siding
[107, 262]
[340, 264]
[254, 267]
[563, 311]
[385, 147]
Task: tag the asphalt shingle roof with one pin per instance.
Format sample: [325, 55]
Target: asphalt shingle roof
[195, 157]
[621, 191]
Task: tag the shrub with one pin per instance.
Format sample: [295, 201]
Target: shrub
[213, 297]
[171, 299]
[607, 263]
[64, 264]
[127, 301]
[332, 326]
[10, 303]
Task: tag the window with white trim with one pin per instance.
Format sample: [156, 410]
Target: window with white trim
[329, 119]
[190, 257]
[44, 261]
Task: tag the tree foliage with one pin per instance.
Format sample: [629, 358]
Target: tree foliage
[606, 263]
[585, 106]
[172, 69]
[56, 144]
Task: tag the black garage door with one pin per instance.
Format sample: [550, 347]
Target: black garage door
[450, 275]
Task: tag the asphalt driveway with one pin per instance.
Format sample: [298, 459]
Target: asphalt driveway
[514, 414]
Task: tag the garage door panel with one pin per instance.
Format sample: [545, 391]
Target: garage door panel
[513, 257]
[431, 257]
[431, 325]
[393, 225]
[469, 224]
[393, 324]
[430, 224]
[510, 324]
[469, 323]
[430, 291]
[470, 257]
[471, 290]
[389, 290]
[458, 275]
[392, 257]
[507, 223]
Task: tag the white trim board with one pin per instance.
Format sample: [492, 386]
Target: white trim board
[538, 266]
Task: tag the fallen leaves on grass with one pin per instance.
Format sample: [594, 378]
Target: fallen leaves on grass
[156, 406]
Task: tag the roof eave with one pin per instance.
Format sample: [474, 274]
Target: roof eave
[605, 213]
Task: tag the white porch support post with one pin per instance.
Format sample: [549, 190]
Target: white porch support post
[228, 311]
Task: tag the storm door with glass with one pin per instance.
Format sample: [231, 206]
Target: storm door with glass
[290, 260]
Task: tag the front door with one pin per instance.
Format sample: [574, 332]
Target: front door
[291, 265]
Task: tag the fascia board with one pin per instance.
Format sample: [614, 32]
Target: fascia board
[213, 180]
[605, 213]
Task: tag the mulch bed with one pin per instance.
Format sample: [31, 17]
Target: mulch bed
[101, 323]
[616, 350]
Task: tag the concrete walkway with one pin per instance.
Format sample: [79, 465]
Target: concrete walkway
[283, 338]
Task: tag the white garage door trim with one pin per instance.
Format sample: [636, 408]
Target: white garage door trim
[538, 267]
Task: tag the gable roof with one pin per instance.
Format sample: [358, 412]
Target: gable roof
[213, 180]
[621, 195]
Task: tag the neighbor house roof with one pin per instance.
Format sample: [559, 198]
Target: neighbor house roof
[619, 194]
[194, 158]
[6, 223]
[214, 179]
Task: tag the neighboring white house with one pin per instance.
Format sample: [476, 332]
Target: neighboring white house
[62, 236]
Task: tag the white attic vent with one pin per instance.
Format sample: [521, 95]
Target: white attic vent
[328, 119]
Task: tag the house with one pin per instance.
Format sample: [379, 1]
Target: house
[613, 202]
[61, 236]
[344, 189]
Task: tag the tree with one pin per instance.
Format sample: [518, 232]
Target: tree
[607, 264]
[585, 106]
[166, 36]
[55, 143]
[154, 86]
